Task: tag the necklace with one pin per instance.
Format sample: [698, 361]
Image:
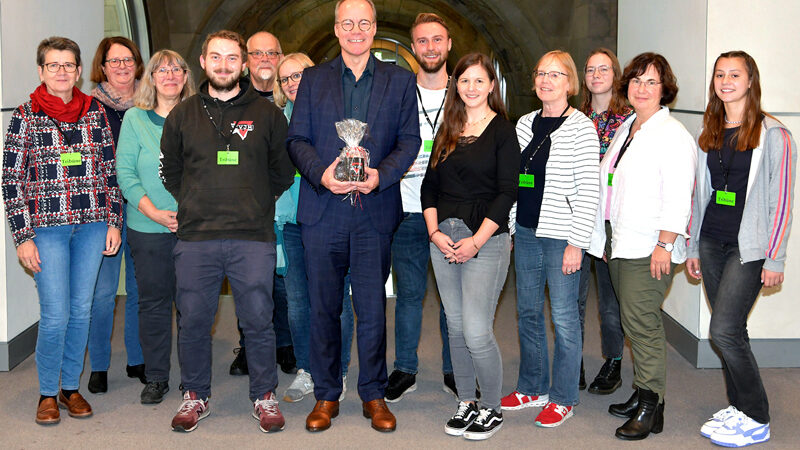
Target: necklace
[469, 124]
[732, 122]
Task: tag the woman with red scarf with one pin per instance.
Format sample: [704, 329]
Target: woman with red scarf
[63, 206]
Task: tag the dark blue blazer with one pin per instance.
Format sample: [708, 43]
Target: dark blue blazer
[393, 138]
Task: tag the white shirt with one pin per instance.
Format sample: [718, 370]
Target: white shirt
[433, 103]
[651, 189]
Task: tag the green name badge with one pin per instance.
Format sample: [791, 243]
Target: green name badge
[71, 159]
[296, 173]
[726, 198]
[526, 180]
[610, 179]
[427, 145]
[228, 158]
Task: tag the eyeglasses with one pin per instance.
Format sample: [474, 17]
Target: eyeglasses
[553, 75]
[163, 71]
[649, 84]
[54, 67]
[258, 54]
[115, 62]
[294, 77]
[363, 25]
[602, 70]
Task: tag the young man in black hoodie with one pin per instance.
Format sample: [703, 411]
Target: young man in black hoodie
[223, 159]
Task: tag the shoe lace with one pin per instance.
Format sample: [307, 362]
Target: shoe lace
[267, 406]
[735, 419]
[725, 414]
[483, 416]
[607, 368]
[189, 405]
[463, 408]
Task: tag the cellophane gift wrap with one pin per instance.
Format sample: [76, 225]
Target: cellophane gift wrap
[353, 159]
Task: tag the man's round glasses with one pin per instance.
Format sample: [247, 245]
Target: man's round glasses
[258, 54]
[54, 67]
[294, 77]
[115, 62]
[553, 75]
[602, 70]
[163, 71]
[363, 25]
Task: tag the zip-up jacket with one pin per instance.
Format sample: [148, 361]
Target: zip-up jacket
[767, 215]
[217, 198]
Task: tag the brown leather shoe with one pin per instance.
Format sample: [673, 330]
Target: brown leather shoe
[382, 419]
[75, 405]
[47, 412]
[321, 415]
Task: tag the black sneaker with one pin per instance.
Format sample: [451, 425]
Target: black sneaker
[98, 382]
[136, 371]
[400, 383]
[463, 418]
[608, 379]
[449, 386]
[285, 358]
[488, 423]
[239, 364]
[154, 392]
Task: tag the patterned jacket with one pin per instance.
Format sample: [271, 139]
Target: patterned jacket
[43, 188]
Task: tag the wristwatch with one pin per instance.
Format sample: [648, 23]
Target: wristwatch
[666, 246]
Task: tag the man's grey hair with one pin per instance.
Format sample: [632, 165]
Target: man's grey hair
[339, 3]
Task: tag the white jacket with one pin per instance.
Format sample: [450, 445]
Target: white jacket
[651, 189]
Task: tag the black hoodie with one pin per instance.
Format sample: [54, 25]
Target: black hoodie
[225, 201]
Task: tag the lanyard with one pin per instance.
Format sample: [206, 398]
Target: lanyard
[726, 170]
[546, 137]
[625, 146]
[425, 111]
[64, 135]
[225, 139]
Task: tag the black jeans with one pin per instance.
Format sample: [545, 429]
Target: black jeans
[155, 273]
[732, 288]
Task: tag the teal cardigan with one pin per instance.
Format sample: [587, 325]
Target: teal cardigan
[138, 154]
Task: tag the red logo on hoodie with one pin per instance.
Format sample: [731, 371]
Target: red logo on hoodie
[242, 128]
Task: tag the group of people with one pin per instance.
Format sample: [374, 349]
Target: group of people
[199, 185]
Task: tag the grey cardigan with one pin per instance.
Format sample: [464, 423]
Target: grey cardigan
[767, 216]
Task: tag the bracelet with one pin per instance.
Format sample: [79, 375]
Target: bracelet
[473, 244]
[430, 237]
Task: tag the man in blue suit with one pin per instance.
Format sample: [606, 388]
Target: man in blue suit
[338, 236]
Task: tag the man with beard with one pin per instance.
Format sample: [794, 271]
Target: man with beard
[224, 160]
[430, 41]
[263, 55]
[336, 234]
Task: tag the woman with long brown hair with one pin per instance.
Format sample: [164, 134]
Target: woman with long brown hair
[741, 216]
[467, 193]
[607, 108]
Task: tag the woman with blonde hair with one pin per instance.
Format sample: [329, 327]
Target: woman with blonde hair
[151, 211]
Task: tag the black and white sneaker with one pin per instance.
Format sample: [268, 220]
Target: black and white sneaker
[488, 423]
[463, 418]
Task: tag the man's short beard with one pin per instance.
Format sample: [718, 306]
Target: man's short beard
[433, 69]
[223, 87]
[260, 73]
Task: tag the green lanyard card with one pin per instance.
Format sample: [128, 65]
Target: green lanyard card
[526, 180]
[726, 198]
[227, 158]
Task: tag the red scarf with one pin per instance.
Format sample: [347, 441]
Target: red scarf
[53, 106]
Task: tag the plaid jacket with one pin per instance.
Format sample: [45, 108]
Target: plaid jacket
[40, 191]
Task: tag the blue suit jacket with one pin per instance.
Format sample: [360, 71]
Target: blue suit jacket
[392, 138]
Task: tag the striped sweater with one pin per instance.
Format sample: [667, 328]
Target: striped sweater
[40, 191]
[572, 184]
[767, 216]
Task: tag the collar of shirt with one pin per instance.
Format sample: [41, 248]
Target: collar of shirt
[368, 70]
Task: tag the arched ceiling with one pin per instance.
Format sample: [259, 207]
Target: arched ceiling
[516, 33]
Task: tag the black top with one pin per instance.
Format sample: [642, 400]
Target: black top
[114, 120]
[529, 203]
[478, 180]
[356, 93]
[721, 222]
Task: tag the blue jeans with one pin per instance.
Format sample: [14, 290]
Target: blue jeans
[298, 302]
[612, 339]
[538, 262]
[70, 257]
[410, 256]
[469, 293]
[105, 295]
[732, 288]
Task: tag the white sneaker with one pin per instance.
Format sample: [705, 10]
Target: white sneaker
[740, 431]
[300, 387]
[344, 388]
[717, 420]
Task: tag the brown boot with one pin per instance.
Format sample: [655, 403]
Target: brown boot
[321, 415]
[382, 419]
[75, 405]
[47, 412]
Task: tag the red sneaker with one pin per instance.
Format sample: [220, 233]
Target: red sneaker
[265, 410]
[191, 411]
[553, 415]
[516, 400]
